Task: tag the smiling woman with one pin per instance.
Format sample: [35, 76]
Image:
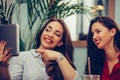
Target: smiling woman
[52, 35]
[104, 48]
[52, 59]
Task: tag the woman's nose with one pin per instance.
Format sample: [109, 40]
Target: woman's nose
[50, 34]
[94, 36]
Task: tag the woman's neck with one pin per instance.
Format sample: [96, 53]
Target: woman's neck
[40, 48]
[111, 54]
[111, 58]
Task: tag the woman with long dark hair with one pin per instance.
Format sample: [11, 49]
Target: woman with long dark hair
[104, 48]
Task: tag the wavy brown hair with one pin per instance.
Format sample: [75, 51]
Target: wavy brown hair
[66, 49]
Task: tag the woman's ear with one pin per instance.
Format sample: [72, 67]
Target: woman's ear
[60, 44]
[113, 31]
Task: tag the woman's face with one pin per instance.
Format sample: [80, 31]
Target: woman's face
[52, 35]
[102, 36]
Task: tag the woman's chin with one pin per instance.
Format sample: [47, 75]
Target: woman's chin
[100, 47]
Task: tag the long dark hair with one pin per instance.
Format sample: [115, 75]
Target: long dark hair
[66, 49]
[97, 56]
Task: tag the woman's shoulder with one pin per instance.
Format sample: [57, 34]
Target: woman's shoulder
[23, 55]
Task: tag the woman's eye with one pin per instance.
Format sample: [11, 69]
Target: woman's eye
[47, 30]
[57, 35]
[98, 31]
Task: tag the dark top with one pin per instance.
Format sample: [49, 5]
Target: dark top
[4, 74]
[115, 74]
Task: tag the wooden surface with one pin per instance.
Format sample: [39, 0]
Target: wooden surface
[80, 43]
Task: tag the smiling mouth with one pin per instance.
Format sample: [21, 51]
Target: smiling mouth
[97, 42]
[48, 40]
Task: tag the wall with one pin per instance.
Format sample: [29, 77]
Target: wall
[71, 23]
[80, 58]
[117, 11]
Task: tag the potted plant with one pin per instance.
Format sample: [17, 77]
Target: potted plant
[6, 12]
[39, 11]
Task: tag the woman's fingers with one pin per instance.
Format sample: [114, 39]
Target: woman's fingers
[6, 52]
[2, 46]
[44, 55]
[6, 58]
[40, 51]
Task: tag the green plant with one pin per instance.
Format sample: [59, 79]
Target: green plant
[6, 12]
[39, 11]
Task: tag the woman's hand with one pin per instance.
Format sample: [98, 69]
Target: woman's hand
[48, 55]
[4, 53]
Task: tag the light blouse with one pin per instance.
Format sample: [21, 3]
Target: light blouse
[29, 66]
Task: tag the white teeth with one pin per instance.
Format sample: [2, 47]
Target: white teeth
[97, 41]
[48, 40]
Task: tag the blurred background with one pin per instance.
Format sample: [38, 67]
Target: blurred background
[32, 14]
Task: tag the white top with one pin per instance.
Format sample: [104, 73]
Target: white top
[28, 66]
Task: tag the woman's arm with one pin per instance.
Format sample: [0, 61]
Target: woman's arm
[67, 70]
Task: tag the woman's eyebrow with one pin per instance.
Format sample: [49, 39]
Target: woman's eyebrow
[95, 29]
[58, 31]
[55, 30]
[50, 27]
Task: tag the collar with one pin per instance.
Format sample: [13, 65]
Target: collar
[34, 53]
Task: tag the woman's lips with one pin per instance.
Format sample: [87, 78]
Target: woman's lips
[97, 42]
[48, 40]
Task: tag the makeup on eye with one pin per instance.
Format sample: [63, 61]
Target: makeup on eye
[48, 29]
[96, 31]
[56, 32]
